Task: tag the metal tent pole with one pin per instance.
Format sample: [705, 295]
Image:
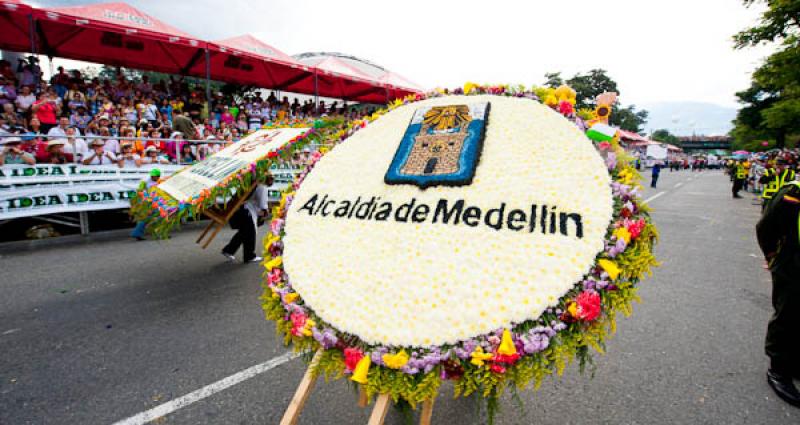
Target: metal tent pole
[208, 79]
[316, 92]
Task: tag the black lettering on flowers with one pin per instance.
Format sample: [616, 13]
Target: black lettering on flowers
[472, 216]
[309, 205]
[441, 208]
[384, 212]
[342, 210]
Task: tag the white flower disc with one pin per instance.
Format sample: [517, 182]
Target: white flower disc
[429, 283]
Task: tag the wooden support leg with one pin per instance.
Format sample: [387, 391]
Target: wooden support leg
[202, 235]
[363, 401]
[379, 411]
[213, 235]
[292, 413]
[427, 412]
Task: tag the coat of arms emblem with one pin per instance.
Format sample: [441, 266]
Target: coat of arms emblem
[441, 146]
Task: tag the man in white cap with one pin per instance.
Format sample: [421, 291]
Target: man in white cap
[151, 156]
[99, 156]
[12, 154]
[55, 152]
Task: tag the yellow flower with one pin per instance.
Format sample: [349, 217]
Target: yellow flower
[610, 267]
[573, 309]
[469, 86]
[273, 263]
[361, 370]
[622, 233]
[271, 239]
[551, 100]
[396, 361]
[507, 347]
[291, 297]
[626, 176]
[478, 356]
[307, 327]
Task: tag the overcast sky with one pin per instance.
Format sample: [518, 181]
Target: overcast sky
[677, 50]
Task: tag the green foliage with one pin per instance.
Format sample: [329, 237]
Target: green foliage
[663, 135]
[779, 21]
[588, 86]
[628, 118]
[771, 106]
[553, 79]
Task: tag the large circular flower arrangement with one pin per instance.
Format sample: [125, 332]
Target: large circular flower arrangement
[506, 297]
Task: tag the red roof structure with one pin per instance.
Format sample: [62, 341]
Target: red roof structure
[248, 60]
[15, 21]
[117, 34]
[337, 78]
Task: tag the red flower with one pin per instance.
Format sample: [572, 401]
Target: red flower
[588, 305]
[497, 368]
[565, 108]
[352, 357]
[508, 359]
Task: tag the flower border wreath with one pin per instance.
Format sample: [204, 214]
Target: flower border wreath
[163, 213]
[487, 364]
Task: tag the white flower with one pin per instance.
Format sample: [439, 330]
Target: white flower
[432, 283]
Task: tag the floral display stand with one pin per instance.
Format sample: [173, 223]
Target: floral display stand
[477, 236]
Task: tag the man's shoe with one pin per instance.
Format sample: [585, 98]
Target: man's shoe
[737, 196]
[784, 388]
[230, 257]
[255, 260]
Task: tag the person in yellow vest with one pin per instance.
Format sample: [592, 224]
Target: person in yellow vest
[739, 175]
[778, 234]
[774, 180]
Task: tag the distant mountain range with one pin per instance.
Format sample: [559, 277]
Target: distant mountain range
[687, 118]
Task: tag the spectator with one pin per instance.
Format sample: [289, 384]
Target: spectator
[59, 131]
[98, 156]
[80, 118]
[56, 154]
[25, 99]
[128, 158]
[152, 156]
[12, 154]
[187, 156]
[75, 146]
[8, 93]
[109, 143]
[150, 112]
[45, 110]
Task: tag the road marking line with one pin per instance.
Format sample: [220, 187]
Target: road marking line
[679, 184]
[647, 201]
[207, 391]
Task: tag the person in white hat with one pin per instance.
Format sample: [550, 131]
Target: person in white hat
[55, 152]
[128, 158]
[98, 155]
[12, 154]
[151, 156]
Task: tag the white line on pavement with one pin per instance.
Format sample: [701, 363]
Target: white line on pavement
[679, 185]
[208, 390]
[647, 201]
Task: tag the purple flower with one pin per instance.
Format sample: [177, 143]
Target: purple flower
[327, 338]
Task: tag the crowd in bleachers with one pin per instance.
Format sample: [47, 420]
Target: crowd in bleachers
[59, 121]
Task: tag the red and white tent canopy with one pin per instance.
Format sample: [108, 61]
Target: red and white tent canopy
[248, 60]
[116, 34]
[15, 25]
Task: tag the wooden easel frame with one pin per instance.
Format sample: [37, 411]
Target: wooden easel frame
[219, 218]
[382, 402]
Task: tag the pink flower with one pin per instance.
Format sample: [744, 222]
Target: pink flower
[276, 226]
[604, 145]
[298, 323]
[274, 276]
[351, 357]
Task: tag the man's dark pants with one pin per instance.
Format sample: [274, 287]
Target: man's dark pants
[246, 235]
[783, 331]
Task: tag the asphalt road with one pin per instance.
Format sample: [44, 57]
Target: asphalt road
[97, 331]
